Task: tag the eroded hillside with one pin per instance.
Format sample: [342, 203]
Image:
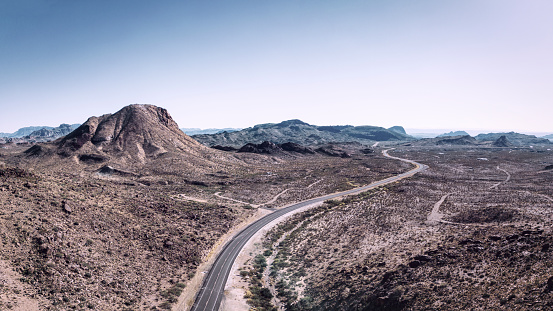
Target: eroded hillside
[77, 238]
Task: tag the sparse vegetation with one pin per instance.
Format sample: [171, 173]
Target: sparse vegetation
[77, 233]
[257, 296]
[376, 251]
[67, 227]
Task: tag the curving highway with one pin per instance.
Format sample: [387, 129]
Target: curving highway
[211, 293]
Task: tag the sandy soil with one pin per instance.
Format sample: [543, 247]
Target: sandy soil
[12, 291]
[234, 296]
[188, 198]
[435, 216]
[189, 294]
[501, 182]
[236, 286]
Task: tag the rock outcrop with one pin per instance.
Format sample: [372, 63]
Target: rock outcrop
[293, 147]
[265, 147]
[268, 147]
[502, 141]
[136, 133]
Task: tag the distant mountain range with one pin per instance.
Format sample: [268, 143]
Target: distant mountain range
[53, 133]
[516, 139]
[42, 131]
[24, 131]
[299, 132]
[197, 131]
[503, 140]
[456, 133]
[550, 136]
[460, 140]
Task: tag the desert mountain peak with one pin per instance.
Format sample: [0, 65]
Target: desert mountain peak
[136, 132]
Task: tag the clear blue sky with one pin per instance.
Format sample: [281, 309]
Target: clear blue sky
[422, 64]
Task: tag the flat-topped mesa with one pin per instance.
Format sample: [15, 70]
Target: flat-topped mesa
[136, 131]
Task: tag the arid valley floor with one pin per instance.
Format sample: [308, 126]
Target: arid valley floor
[473, 232]
[86, 224]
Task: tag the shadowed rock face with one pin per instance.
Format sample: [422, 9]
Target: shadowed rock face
[265, 147]
[136, 131]
[268, 147]
[35, 150]
[224, 148]
[502, 142]
[333, 151]
[296, 148]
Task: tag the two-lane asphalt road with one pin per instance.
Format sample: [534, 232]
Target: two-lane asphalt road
[210, 295]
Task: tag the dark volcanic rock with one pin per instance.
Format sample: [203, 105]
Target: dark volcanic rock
[110, 170]
[333, 151]
[270, 148]
[224, 148]
[92, 158]
[549, 285]
[67, 207]
[414, 264]
[293, 147]
[502, 141]
[36, 150]
[266, 147]
[106, 169]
